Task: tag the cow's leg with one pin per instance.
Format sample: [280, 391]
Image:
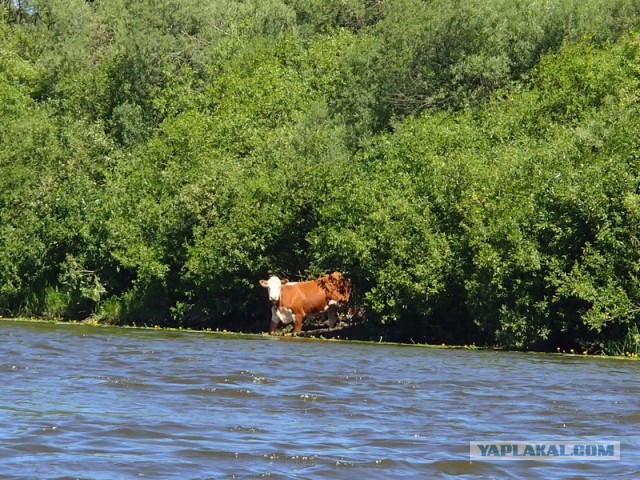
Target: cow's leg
[332, 313]
[274, 321]
[298, 322]
[273, 327]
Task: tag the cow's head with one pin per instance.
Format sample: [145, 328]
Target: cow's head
[274, 284]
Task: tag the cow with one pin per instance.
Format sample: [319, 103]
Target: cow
[292, 301]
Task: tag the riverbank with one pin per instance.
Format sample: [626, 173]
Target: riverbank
[321, 335]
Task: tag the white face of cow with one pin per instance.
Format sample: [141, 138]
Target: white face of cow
[274, 284]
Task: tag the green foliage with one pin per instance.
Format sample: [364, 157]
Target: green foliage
[565, 267]
[472, 166]
[452, 54]
[327, 15]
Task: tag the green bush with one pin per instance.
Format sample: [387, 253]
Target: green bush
[472, 166]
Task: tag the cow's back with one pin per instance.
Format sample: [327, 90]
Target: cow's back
[337, 287]
[316, 295]
[303, 297]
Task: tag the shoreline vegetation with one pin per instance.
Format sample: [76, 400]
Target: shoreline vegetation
[310, 335]
[473, 167]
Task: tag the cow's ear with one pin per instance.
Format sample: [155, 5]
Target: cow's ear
[264, 283]
[284, 281]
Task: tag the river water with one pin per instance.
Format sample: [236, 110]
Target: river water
[109, 403]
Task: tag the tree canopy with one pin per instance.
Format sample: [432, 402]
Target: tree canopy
[474, 167]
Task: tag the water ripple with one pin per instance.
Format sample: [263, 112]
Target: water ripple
[81, 402]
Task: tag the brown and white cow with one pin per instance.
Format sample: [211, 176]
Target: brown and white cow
[292, 301]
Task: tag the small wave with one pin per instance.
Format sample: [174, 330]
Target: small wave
[309, 398]
[180, 380]
[15, 368]
[296, 459]
[222, 392]
[185, 359]
[217, 455]
[136, 433]
[262, 380]
[124, 381]
[35, 447]
[241, 429]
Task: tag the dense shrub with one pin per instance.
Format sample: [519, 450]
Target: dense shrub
[473, 166]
